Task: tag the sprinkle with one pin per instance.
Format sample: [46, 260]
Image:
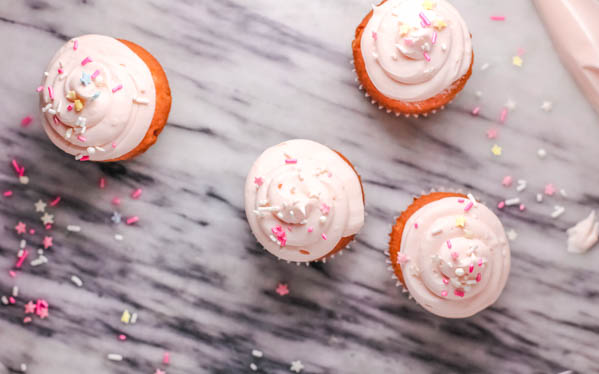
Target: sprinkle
[522, 184]
[132, 220]
[60, 71]
[454, 255]
[26, 121]
[21, 228]
[102, 182]
[512, 235]
[282, 289]
[547, 106]
[296, 366]
[426, 56]
[116, 201]
[415, 225]
[71, 95]
[428, 4]
[517, 61]
[512, 201]
[402, 259]
[449, 244]
[55, 201]
[445, 280]
[122, 337]
[81, 138]
[460, 221]
[479, 276]
[324, 208]
[507, 181]
[491, 134]
[126, 316]
[501, 204]
[69, 107]
[522, 207]
[118, 237]
[475, 111]
[73, 228]
[459, 293]
[86, 61]
[444, 293]
[558, 211]
[136, 194]
[480, 262]
[78, 105]
[39, 88]
[539, 198]
[141, 100]
[549, 190]
[424, 19]
[496, 150]
[51, 92]
[7, 193]
[95, 74]
[280, 235]
[497, 18]
[503, 115]
[404, 30]
[114, 357]
[30, 307]
[440, 24]
[437, 231]
[85, 79]
[468, 206]
[291, 161]
[166, 358]
[541, 153]
[459, 272]
[76, 280]
[324, 236]
[117, 88]
[374, 35]
[113, 145]
[47, 242]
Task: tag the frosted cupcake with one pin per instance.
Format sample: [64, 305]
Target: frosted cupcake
[412, 57]
[303, 201]
[450, 253]
[104, 99]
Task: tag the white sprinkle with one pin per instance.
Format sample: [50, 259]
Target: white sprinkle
[471, 198]
[23, 367]
[459, 272]
[257, 353]
[15, 291]
[322, 219]
[98, 148]
[253, 367]
[563, 193]
[141, 100]
[91, 150]
[118, 237]
[78, 157]
[539, 197]
[39, 261]
[478, 94]
[437, 231]
[115, 357]
[133, 318]
[521, 185]
[484, 66]
[444, 47]
[558, 211]
[59, 107]
[46, 74]
[69, 133]
[75, 279]
[547, 106]
[46, 108]
[280, 215]
[512, 235]
[73, 228]
[512, 201]
[83, 130]
[23, 244]
[541, 153]
[471, 281]
[51, 111]
[4, 300]
[20, 253]
[510, 104]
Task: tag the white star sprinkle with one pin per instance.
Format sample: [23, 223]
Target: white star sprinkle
[40, 206]
[296, 366]
[547, 106]
[47, 219]
[116, 218]
[512, 235]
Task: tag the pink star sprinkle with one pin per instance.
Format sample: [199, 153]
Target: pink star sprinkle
[26, 121]
[166, 358]
[282, 289]
[491, 134]
[136, 194]
[258, 181]
[280, 235]
[402, 259]
[86, 61]
[459, 293]
[21, 228]
[444, 293]
[7, 193]
[325, 209]
[29, 307]
[454, 255]
[158, 371]
[549, 189]
[478, 277]
[507, 181]
[47, 242]
[43, 313]
[132, 220]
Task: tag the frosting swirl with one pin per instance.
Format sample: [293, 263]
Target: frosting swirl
[454, 257]
[98, 98]
[413, 50]
[301, 199]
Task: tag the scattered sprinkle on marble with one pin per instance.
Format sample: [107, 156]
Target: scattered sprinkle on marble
[491, 134]
[115, 357]
[507, 181]
[76, 280]
[549, 189]
[512, 234]
[547, 106]
[557, 211]
[282, 289]
[296, 366]
[257, 353]
[496, 150]
[517, 61]
[26, 121]
[541, 153]
[497, 18]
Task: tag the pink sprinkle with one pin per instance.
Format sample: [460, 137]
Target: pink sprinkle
[402, 258]
[31, 231]
[310, 229]
[475, 111]
[48, 226]
[22, 259]
[26, 319]
[449, 244]
[374, 35]
[445, 280]
[39, 88]
[434, 38]
[507, 181]
[26, 121]
[426, 56]
[478, 277]
[423, 24]
[444, 293]
[132, 220]
[258, 181]
[55, 201]
[166, 358]
[497, 18]
[468, 206]
[116, 201]
[408, 41]
[12, 273]
[471, 268]
[84, 158]
[95, 74]
[480, 262]
[501, 204]
[503, 115]
[424, 19]
[86, 61]
[460, 201]
[454, 255]
[136, 194]
[102, 182]
[7, 193]
[69, 107]
[324, 236]
[415, 225]
[75, 45]
[522, 207]
[11, 299]
[51, 92]
[521, 51]
[291, 161]
[459, 293]
[325, 209]
[60, 71]
[113, 145]
[81, 138]
[20, 170]
[280, 234]
[117, 88]
[122, 337]
[55, 118]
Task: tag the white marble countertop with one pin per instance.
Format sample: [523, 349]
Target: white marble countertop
[247, 75]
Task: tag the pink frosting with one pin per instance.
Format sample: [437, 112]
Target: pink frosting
[301, 198]
[115, 88]
[574, 27]
[412, 53]
[454, 270]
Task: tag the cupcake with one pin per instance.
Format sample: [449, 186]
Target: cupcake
[104, 99]
[412, 57]
[303, 201]
[450, 253]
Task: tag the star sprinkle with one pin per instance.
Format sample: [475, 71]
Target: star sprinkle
[29, 307]
[296, 366]
[72, 95]
[550, 189]
[78, 105]
[507, 181]
[116, 218]
[460, 221]
[43, 313]
[158, 371]
[547, 106]
[439, 24]
[126, 317]
[47, 242]
[258, 181]
[40, 206]
[86, 79]
[491, 134]
[325, 209]
[47, 219]
[512, 235]
[496, 150]
[510, 104]
[21, 228]
[282, 289]
[429, 4]
[404, 29]
[517, 61]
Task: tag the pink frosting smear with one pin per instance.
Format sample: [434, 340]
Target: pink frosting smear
[574, 28]
[454, 271]
[412, 53]
[300, 210]
[88, 76]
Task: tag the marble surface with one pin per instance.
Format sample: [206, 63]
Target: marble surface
[246, 75]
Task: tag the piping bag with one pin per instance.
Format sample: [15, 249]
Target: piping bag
[574, 29]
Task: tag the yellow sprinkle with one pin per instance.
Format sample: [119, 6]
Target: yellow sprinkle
[428, 4]
[78, 105]
[126, 316]
[496, 150]
[439, 24]
[460, 221]
[517, 60]
[71, 95]
[404, 29]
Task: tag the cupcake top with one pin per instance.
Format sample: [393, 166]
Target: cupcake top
[454, 256]
[415, 49]
[98, 98]
[301, 198]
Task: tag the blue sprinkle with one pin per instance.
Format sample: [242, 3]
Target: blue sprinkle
[96, 95]
[86, 79]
